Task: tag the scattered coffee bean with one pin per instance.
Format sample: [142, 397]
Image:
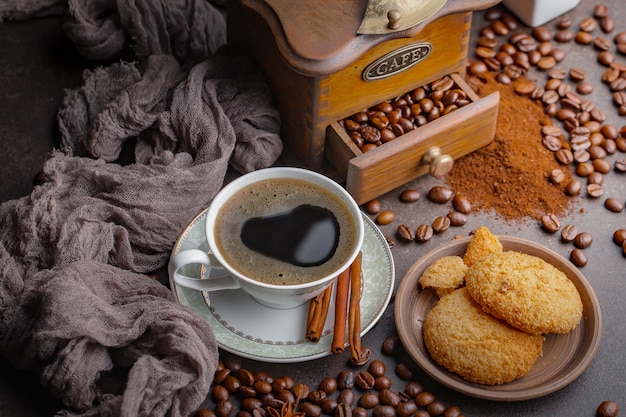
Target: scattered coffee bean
[364, 380]
[372, 207]
[584, 88]
[219, 393]
[368, 400]
[577, 74]
[563, 22]
[404, 372]
[250, 403]
[440, 194]
[550, 222]
[345, 380]
[406, 409]
[424, 398]
[405, 233]
[563, 35]
[436, 408]
[568, 233]
[551, 143]
[573, 188]
[601, 44]
[377, 368]
[384, 411]
[389, 397]
[424, 233]
[578, 257]
[620, 165]
[595, 178]
[503, 78]
[390, 346]
[413, 388]
[347, 397]
[557, 176]
[595, 190]
[452, 411]
[564, 156]
[457, 218]
[462, 204]
[600, 10]
[410, 196]
[606, 58]
[619, 236]
[583, 240]
[328, 385]
[614, 205]
[382, 382]
[546, 63]
[542, 34]
[310, 409]
[328, 406]
[385, 217]
[441, 224]
[607, 409]
[359, 412]
[601, 165]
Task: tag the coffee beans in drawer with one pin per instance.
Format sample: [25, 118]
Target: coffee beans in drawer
[390, 119]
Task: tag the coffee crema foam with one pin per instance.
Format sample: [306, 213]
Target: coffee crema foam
[272, 197]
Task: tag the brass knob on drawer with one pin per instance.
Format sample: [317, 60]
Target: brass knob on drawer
[438, 163]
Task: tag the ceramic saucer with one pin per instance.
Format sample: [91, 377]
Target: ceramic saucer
[244, 327]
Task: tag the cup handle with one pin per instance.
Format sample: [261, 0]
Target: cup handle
[196, 256]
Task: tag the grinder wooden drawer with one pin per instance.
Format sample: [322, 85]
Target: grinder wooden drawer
[373, 173]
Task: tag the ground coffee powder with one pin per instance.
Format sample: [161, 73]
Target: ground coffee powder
[511, 175]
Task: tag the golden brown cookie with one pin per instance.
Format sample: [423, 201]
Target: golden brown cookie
[444, 275]
[480, 348]
[526, 292]
[483, 243]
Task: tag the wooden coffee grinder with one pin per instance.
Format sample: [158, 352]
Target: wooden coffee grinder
[327, 60]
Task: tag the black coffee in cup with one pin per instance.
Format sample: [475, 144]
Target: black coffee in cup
[285, 231]
[308, 235]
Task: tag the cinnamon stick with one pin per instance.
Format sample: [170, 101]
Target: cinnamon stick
[341, 311]
[318, 311]
[358, 355]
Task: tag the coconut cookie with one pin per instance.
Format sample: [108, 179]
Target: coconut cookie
[482, 243]
[444, 275]
[526, 292]
[464, 339]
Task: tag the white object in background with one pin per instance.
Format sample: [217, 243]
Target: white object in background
[537, 12]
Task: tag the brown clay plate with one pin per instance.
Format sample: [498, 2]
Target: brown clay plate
[565, 357]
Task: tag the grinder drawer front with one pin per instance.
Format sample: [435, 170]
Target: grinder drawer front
[375, 172]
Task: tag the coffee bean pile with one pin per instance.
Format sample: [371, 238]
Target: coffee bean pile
[386, 121]
[352, 393]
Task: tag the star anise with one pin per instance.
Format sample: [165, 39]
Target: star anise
[287, 410]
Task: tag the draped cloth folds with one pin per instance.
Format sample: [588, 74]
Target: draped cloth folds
[145, 146]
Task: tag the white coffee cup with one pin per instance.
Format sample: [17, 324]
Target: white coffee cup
[271, 295]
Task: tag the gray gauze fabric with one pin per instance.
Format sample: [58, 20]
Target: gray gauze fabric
[27, 9]
[77, 303]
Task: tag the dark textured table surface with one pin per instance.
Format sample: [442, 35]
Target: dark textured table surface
[37, 63]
